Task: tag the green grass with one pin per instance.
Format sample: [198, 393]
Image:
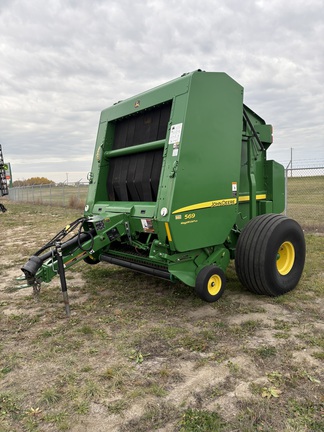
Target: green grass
[194, 420]
[305, 202]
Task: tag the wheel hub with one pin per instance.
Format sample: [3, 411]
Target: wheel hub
[285, 258]
[214, 284]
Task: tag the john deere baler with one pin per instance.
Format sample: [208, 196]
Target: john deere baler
[180, 185]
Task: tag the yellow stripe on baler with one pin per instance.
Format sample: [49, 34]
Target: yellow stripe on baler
[167, 229]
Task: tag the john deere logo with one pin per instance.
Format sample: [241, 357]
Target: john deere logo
[137, 104]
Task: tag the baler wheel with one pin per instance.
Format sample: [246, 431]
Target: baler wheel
[270, 255]
[210, 283]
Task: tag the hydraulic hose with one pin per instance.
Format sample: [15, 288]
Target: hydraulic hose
[35, 261]
[63, 233]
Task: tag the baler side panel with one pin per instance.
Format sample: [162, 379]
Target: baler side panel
[99, 169]
[204, 202]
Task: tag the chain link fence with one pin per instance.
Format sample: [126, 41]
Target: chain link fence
[304, 196]
[62, 194]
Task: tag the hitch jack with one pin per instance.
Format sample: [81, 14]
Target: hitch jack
[61, 271]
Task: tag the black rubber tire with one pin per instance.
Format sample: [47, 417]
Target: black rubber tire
[258, 249]
[210, 283]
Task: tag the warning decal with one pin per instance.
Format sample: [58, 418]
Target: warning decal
[175, 133]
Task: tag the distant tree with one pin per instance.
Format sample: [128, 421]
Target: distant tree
[33, 181]
[17, 183]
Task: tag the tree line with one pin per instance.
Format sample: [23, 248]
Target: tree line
[32, 181]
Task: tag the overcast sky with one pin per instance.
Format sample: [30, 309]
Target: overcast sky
[63, 61]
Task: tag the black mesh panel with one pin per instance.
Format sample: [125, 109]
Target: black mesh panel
[149, 125]
[136, 177]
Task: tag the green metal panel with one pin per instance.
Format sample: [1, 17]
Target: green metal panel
[275, 182]
[256, 185]
[200, 170]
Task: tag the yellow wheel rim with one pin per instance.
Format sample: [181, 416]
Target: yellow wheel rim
[214, 284]
[285, 258]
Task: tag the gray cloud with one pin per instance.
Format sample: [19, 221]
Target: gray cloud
[62, 62]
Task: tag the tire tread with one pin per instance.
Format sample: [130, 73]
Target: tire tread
[252, 249]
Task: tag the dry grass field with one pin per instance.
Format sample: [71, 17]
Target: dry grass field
[306, 203]
[141, 354]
